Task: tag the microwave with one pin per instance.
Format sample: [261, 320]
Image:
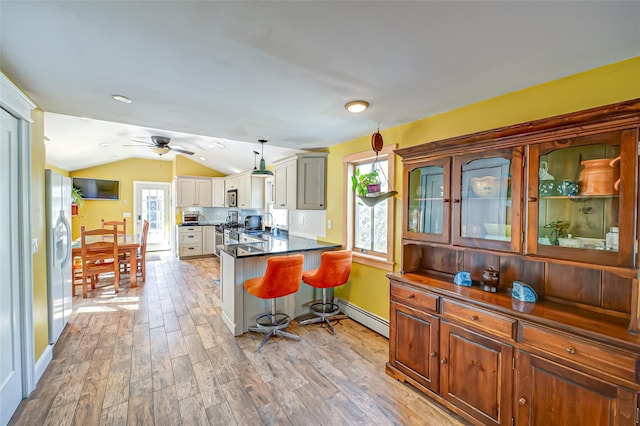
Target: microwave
[232, 198]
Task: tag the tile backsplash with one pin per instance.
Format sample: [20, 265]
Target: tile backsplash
[307, 223]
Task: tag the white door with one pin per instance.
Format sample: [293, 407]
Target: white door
[153, 203]
[10, 310]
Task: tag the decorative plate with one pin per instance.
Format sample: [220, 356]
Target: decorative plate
[463, 278]
[523, 292]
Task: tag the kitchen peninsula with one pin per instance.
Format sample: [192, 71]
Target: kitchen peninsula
[248, 259]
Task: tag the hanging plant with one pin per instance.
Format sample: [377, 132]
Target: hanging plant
[366, 182]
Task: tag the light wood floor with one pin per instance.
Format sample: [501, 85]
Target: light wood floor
[160, 354]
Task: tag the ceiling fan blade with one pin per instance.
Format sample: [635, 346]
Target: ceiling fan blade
[144, 142]
[183, 151]
[138, 146]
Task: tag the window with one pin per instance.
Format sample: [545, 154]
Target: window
[369, 230]
[280, 216]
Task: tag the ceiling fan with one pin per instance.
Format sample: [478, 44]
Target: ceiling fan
[161, 146]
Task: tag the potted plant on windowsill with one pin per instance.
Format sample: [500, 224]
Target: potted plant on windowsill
[76, 200]
[365, 183]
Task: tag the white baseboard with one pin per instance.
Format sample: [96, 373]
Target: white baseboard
[364, 317]
[42, 363]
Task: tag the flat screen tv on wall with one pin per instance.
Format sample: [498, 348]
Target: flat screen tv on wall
[98, 189]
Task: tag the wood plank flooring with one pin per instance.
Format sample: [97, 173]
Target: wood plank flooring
[160, 354]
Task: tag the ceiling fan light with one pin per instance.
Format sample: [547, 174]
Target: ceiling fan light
[356, 106]
[160, 150]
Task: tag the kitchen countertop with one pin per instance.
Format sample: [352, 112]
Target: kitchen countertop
[275, 245]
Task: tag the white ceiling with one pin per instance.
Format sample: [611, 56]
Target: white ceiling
[283, 70]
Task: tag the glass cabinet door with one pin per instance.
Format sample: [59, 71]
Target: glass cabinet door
[486, 201]
[581, 198]
[427, 188]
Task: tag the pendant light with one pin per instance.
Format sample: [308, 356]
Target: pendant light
[262, 171]
[377, 143]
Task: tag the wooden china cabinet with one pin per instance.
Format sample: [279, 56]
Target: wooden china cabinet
[554, 204]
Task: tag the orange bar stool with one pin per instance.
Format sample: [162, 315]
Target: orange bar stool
[282, 277]
[335, 267]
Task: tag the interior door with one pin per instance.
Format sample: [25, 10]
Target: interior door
[10, 310]
[152, 202]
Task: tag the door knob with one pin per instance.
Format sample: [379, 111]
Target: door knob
[432, 354]
[443, 361]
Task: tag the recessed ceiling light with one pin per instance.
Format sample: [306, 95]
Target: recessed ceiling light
[121, 98]
[356, 106]
[104, 144]
[203, 159]
[216, 145]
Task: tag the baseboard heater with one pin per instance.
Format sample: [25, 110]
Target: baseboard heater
[364, 317]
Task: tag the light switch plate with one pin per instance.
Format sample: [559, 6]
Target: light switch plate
[126, 214]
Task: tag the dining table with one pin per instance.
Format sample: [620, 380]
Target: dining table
[126, 244]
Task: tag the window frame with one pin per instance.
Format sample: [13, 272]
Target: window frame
[377, 260]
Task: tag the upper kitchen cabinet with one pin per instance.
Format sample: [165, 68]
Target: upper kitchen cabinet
[219, 193]
[582, 196]
[250, 191]
[194, 192]
[300, 182]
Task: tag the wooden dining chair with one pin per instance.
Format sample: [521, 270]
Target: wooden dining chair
[99, 256]
[141, 255]
[120, 224]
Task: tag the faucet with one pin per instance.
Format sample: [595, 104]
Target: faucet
[264, 222]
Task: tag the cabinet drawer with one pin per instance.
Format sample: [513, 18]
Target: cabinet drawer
[190, 250]
[583, 351]
[489, 321]
[190, 230]
[190, 238]
[414, 297]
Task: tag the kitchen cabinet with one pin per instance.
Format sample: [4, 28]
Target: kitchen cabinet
[300, 182]
[194, 192]
[189, 241]
[552, 203]
[250, 191]
[208, 239]
[219, 192]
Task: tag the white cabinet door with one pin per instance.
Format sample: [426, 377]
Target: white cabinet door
[285, 185]
[208, 239]
[204, 193]
[186, 192]
[219, 193]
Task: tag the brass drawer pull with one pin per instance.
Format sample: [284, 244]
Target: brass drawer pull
[522, 401]
[443, 361]
[532, 199]
[571, 350]
[432, 354]
[411, 296]
[473, 317]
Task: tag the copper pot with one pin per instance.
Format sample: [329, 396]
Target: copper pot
[600, 177]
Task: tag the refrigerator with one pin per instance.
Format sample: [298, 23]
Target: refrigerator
[59, 278]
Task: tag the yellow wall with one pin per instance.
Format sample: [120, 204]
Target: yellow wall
[186, 167]
[128, 171]
[56, 169]
[38, 230]
[369, 288]
[125, 171]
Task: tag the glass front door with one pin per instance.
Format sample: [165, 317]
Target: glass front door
[152, 204]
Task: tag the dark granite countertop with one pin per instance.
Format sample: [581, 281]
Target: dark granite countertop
[275, 245]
